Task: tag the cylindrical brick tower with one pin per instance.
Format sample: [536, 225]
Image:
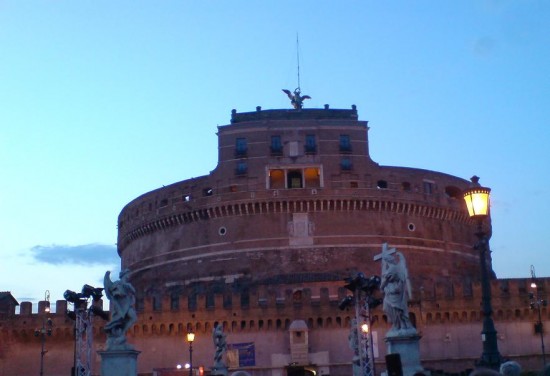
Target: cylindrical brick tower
[295, 201]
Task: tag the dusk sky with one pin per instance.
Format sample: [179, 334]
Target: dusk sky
[102, 101]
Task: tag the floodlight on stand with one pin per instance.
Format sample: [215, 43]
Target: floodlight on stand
[346, 302]
[94, 292]
[71, 296]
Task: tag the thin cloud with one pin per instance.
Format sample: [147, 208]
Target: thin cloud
[484, 47]
[87, 255]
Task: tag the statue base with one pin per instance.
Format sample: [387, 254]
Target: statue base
[119, 362]
[219, 371]
[407, 346]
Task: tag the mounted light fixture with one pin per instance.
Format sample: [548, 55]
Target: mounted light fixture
[477, 199]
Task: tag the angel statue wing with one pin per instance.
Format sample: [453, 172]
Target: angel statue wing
[403, 266]
[107, 283]
[287, 92]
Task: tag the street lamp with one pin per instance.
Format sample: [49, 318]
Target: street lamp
[477, 202]
[46, 330]
[190, 339]
[536, 302]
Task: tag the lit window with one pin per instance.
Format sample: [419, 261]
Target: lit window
[241, 148]
[276, 179]
[312, 177]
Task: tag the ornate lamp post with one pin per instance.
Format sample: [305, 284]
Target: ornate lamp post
[190, 339]
[477, 202]
[536, 302]
[46, 330]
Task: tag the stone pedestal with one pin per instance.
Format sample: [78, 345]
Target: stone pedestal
[119, 362]
[408, 348]
[220, 370]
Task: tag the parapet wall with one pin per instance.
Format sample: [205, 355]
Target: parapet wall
[318, 306]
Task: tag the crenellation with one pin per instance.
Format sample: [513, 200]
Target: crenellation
[25, 308]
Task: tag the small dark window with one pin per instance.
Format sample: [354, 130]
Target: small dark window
[310, 146]
[345, 144]
[453, 192]
[242, 168]
[406, 186]
[227, 301]
[174, 302]
[207, 192]
[192, 302]
[428, 187]
[245, 299]
[382, 184]
[241, 149]
[353, 184]
[276, 145]
[345, 164]
[163, 202]
[210, 301]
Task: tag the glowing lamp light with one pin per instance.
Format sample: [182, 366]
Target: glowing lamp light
[178, 366]
[477, 199]
[533, 285]
[187, 365]
[365, 328]
[190, 337]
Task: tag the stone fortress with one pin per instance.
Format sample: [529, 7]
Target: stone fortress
[263, 243]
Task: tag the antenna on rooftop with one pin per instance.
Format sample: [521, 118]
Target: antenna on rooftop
[298, 57]
[296, 98]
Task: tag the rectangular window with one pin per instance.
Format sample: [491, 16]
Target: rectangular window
[345, 164]
[428, 187]
[241, 148]
[294, 179]
[276, 145]
[345, 144]
[174, 302]
[310, 146]
[312, 177]
[242, 168]
[276, 179]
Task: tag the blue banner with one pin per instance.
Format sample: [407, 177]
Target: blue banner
[247, 355]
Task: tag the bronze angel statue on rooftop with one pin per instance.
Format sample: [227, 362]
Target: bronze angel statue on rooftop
[296, 99]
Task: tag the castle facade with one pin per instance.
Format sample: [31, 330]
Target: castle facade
[263, 243]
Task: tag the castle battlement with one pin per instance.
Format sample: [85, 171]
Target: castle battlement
[273, 309]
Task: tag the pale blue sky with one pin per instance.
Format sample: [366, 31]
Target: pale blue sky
[102, 101]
